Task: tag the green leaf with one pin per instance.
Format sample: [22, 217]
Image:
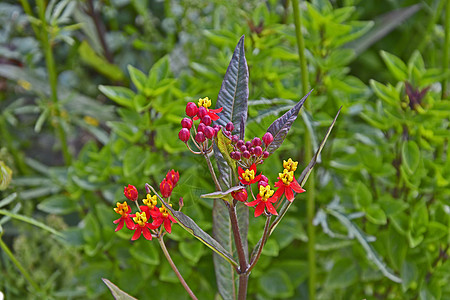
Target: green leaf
[99, 63]
[145, 252]
[342, 275]
[190, 226]
[436, 231]
[392, 206]
[224, 145]
[410, 156]
[233, 94]
[304, 176]
[397, 247]
[8, 199]
[397, 67]
[388, 93]
[117, 293]
[5, 176]
[375, 214]
[134, 160]
[119, 94]
[281, 126]
[223, 195]
[58, 204]
[362, 196]
[137, 77]
[192, 250]
[276, 284]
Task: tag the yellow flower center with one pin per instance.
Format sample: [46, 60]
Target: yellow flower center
[121, 209]
[140, 219]
[150, 201]
[265, 192]
[205, 102]
[290, 165]
[164, 211]
[248, 175]
[286, 177]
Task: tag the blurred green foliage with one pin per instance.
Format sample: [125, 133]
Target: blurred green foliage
[125, 70]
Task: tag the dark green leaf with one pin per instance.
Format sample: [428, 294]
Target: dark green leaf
[280, 127]
[233, 94]
[119, 94]
[410, 156]
[117, 293]
[276, 284]
[362, 195]
[58, 204]
[342, 275]
[143, 252]
[8, 199]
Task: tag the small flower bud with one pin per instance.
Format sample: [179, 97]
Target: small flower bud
[264, 178]
[237, 155]
[180, 203]
[267, 138]
[173, 176]
[184, 134]
[209, 132]
[206, 120]
[234, 139]
[256, 141]
[266, 154]
[251, 150]
[263, 183]
[229, 127]
[201, 127]
[240, 195]
[226, 133]
[239, 144]
[232, 154]
[248, 144]
[246, 154]
[166, 188]
[186, 123]
[202, 112]
[243, 148]
[191, 109]
[257, 151]
[200, 137]
[130, 192]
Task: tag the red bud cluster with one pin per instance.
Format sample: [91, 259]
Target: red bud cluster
[168, 183]
[253, 151]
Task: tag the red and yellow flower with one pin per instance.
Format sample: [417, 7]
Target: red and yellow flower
[162, 216]
[263, 201]
[123, 210]
[142, 226]
[212, 113]
[287, 184]
[249, 175]
[130, 192]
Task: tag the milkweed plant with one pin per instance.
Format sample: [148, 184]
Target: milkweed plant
[219, 135]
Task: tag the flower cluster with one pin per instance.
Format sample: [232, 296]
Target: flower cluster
[140, 222]
[251, 152]
[286, 184]
[205, 130]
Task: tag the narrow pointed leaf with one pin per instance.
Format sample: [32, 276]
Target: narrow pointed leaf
[224, 145]
[190, 226]
[221, 194]
[117, 293]
[280, 127]
[304, 176]
[233, 94]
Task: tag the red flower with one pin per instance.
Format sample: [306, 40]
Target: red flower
[142, 226]
[161, 216]
[286, 185]
[212, 113]
[130, 192]
[240, 195]
[123, 210]
[263, 200]
[248, 176]
[166, 188]
[173, 176]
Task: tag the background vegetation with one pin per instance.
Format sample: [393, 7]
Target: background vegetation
[91, 96]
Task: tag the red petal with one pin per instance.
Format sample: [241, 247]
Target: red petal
[213, 116]
[172, 219]
[240, 171]
[271, 209]
[130, 223]
[196, 118]
[253, 168]
[257, 178]
[147, 233]
[296, 187]
[217, 110]
[279, 192]
[136, 234]
[157, 222]
[121, 220]
[254, 202]
[259, 209]
[117, 221]
[168, 225]
[289, 194]
[279, 183]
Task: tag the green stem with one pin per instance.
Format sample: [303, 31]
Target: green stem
[310, 187]
[19, 266]
[255, 259]
[53, 80]
[175, 269]
[433, 20]
[211, 170]
[446, 48]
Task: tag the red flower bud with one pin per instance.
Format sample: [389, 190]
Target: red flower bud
[209, 132]
[130, 192]
[191, 109]
[201, 127]
[173, 176]
[263, 183]
[266, 154]
[257, 151]
[200, 137]
[239, 144]
[234, 139]
[243, 148]
[237, 155]
[186, 123]
[264, 178]
[240, 195]
[184, 134]
[267, 138]
[202, 112]
[246, 154]
[256, 141]
[229, 126]
[166, 188]
[206, 120]
[248, 144]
